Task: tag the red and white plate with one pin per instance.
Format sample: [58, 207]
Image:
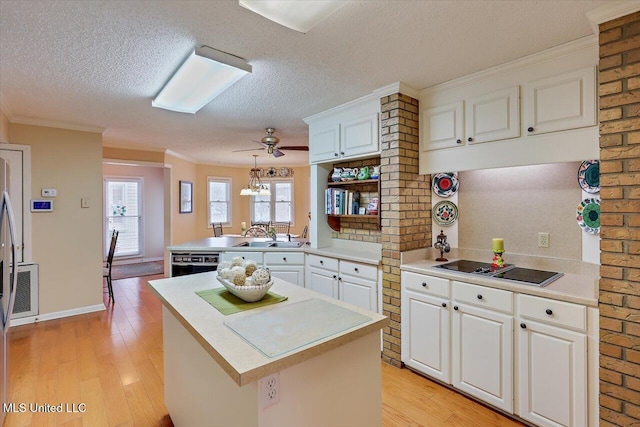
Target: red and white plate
[445, 184]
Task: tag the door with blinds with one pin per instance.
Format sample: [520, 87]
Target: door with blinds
[123, 212]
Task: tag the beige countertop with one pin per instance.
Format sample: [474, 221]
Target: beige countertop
[227, 243]
[576, 288]
[239, 359]
[362, 253]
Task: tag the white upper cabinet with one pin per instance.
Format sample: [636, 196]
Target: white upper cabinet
[359, 136]
[324, 142]
[561, 102]
[538, 109]
[348, 131]
[493, 116]
[443, 126]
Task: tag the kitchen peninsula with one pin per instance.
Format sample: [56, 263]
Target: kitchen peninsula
[212, 374]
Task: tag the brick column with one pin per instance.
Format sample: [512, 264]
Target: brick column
[619, 93]
[405, 202]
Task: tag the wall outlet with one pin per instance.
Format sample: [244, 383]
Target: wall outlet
[543, 240]
[269, 390]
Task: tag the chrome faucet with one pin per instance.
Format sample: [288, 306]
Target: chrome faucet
[272, 234]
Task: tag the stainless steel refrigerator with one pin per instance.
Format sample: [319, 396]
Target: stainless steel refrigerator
[8, 278]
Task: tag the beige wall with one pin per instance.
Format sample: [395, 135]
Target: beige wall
[138, 155]
[517, 203]
[153, 204]
[67, 243]
[240, 205]
[4, 127]
[183, 226]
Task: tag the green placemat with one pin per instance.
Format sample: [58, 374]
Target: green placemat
[227, 303]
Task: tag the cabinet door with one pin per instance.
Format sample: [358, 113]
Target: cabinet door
[359, 136]
[565, 101]
[253, 256]
[324, 142]
[443, 126]
[552, 373]
[482, 355]
[426, 335]
[359, 292]
[323, 282]
[291, 274]
[493, 116]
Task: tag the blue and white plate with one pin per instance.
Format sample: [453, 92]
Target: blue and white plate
[445, 213]
[445, 184]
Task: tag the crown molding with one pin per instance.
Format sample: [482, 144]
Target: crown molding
[121, 162]
[180, 156]
[611, 11]
[56, 124]
[397, 87]
[575, 46]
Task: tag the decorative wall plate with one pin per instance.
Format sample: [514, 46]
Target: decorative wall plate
[588, 215]
[445, 213]
[445, 184]
[589, 176]
[271, 172]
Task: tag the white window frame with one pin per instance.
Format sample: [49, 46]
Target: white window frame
[141, 248]
[272, 203]
[228, 182]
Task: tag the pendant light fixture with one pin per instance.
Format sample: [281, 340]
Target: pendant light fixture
[255, 186]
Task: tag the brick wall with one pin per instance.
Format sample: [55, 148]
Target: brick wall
[405, 201]
[359, 228]
[619, 95]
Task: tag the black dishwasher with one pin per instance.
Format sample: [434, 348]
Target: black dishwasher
[192, 263]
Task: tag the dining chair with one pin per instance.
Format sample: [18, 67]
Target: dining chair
[217, 229]
[256, 231]
[106, 270]
[264, 225]
[305, 231]
[282, 227]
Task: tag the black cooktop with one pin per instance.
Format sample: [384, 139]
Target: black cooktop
[509, 272]
[529, 276]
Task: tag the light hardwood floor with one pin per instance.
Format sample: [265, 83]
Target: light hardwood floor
[112, 362]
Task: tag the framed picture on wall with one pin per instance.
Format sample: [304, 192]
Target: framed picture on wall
[186, 197]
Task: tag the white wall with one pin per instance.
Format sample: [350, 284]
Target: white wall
[153, 204]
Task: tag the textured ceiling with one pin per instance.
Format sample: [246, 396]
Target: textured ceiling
[99, 63]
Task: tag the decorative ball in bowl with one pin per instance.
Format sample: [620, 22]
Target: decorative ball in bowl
[248, 293]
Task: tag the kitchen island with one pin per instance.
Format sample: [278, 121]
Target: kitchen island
[212, 374]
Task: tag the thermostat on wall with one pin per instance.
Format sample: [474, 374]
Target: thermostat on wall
[41, 205]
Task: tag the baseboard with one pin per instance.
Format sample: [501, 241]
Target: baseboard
[57, 315]
[125, 261]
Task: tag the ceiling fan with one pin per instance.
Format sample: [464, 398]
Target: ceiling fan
[270, 143]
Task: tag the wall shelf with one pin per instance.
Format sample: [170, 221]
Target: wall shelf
[352, 182]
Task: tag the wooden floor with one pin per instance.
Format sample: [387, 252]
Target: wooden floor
[111, 362]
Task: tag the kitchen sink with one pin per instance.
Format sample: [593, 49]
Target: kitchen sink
[285, 244]
[255, 244]
[269, 244]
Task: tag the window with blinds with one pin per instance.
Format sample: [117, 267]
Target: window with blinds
[219, 196]
[278, 207]
[123, 212]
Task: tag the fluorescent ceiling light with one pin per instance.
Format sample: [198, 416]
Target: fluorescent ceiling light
[205, 74]
[299, 15]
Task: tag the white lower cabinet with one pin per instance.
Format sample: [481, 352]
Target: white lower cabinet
[523, 354]
[552, 364]
[482, 344]
[288, 266]
[351, 282]
[322, 281]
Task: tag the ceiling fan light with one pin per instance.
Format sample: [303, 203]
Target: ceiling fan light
[205, 74]
[295, 14]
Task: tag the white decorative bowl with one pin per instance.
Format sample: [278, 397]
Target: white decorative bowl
[246, 293]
